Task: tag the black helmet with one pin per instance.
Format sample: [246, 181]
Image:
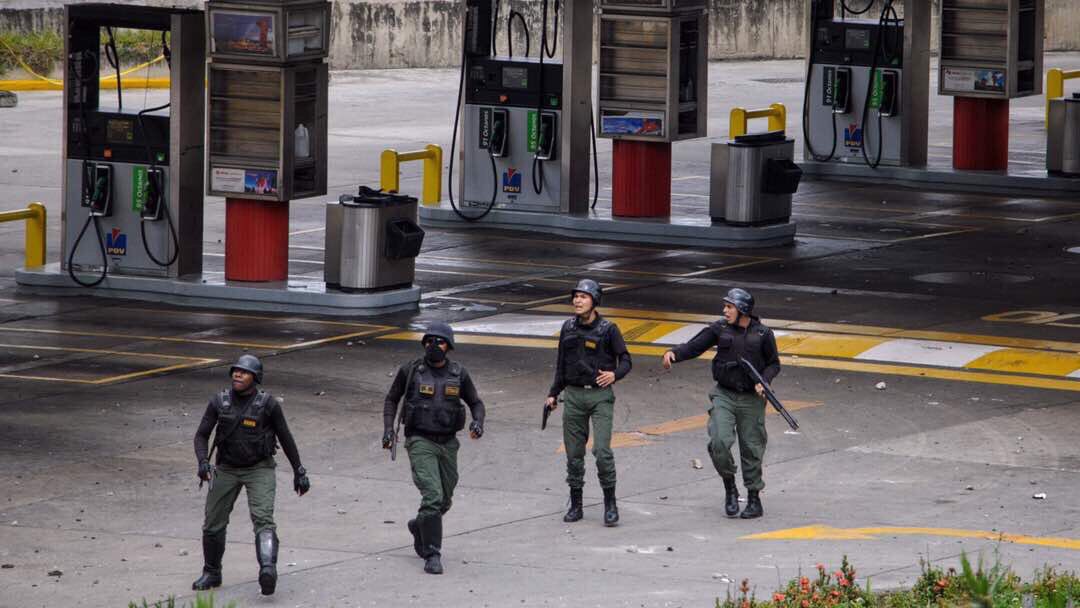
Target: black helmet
[741, 300]
[440, 330]
[249, 363]
[590, 287]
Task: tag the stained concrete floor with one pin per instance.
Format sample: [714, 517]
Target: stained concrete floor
[100, 398]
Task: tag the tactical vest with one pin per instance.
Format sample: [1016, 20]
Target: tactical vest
[244, 436]
[434, 400]
[732, 343]
[585, 352]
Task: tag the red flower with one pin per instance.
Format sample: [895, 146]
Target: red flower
[806, 604]
[834, 593]
[821, 567]
[778, 597]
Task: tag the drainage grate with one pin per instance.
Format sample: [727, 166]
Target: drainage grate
[786, 80]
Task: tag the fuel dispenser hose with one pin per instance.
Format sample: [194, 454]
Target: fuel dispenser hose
[104, 256]
[156, 189]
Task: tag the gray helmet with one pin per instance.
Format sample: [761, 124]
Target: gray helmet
[249, 363]
[590, 287]
[741, 300]
[440, 330]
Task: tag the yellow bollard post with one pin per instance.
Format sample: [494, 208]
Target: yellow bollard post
[389, 171]
[1055, 88]
[35, 236]
[778, 119]
[432, 175]
[737, 123]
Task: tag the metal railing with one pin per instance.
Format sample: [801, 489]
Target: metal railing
[1055, 86]
[35, 216]
[776, 113]
[390, 171]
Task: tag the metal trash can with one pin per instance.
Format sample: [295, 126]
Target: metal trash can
[1063, 137]
[753, 178]
[372, 240]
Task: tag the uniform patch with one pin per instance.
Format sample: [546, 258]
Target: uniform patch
[427, 389]
[590, 344]
[249, 422]
[453, 391]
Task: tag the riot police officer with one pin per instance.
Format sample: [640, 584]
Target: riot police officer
[249, 423]
[592, 357]
[737, 404]
[433, 388]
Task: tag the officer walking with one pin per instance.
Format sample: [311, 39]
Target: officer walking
[433, 388]
[249, 423]
[592, 357]
[737, 405]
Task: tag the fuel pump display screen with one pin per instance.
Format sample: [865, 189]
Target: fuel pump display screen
[515, 78]
[857, 39]
[119, 131]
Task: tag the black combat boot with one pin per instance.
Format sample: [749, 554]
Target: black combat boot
[213, 547]
[417, 540]
[753, 506]
[266, 550]
[611, 512]
[431, 532]
[574, 512]
[731, 497]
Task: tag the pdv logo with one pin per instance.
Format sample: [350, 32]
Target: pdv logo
[512, 181]
[116, 243]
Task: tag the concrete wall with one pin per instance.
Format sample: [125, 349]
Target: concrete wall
[427, 33]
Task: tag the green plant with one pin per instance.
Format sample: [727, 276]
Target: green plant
[984, 587]
[201, 601]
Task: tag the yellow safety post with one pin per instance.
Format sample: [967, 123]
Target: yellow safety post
[34, 214]
[776, 113]
[390, 168]
[1055, 86]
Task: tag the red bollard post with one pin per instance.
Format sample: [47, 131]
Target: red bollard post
[256, 240]
[641, 178]
[980, 134]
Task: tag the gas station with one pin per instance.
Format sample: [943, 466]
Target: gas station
[522, 152]
[904, 212]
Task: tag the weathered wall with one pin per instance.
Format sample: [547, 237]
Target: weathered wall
[427, 33]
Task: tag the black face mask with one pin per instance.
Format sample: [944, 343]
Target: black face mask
[435, 354]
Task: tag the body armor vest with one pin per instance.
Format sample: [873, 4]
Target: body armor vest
[732, 343]
[244, 436]
[434, 400]
[585, 352]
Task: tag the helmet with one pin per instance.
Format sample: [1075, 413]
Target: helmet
[741, 300]
[249, 363]
[440, 330]
[590, 287]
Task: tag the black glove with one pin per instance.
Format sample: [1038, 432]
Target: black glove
[204, 470]
[387, 438]
[301, 484]
[477, 429]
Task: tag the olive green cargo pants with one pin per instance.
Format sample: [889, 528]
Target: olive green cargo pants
[737, 415]
[261, 486]
[435, 473]
[581, 405]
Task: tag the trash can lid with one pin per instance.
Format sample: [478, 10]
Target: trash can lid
[369, 197]
[760, 139]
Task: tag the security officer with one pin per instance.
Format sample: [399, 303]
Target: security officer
[249, 424]
[738, 405]
[433, 388]
[592, 357]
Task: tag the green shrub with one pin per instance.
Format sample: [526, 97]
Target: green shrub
[201, 601]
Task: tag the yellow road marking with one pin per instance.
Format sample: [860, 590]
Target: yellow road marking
[824, 345]
[283, 346]
[193, 313]
[190, 362]
[1026, 362]
[936, 373]
[823, 532]
[840, 328]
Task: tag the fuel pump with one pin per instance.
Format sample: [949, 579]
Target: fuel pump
[511, 112]
[122, 164]
[852, 99]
